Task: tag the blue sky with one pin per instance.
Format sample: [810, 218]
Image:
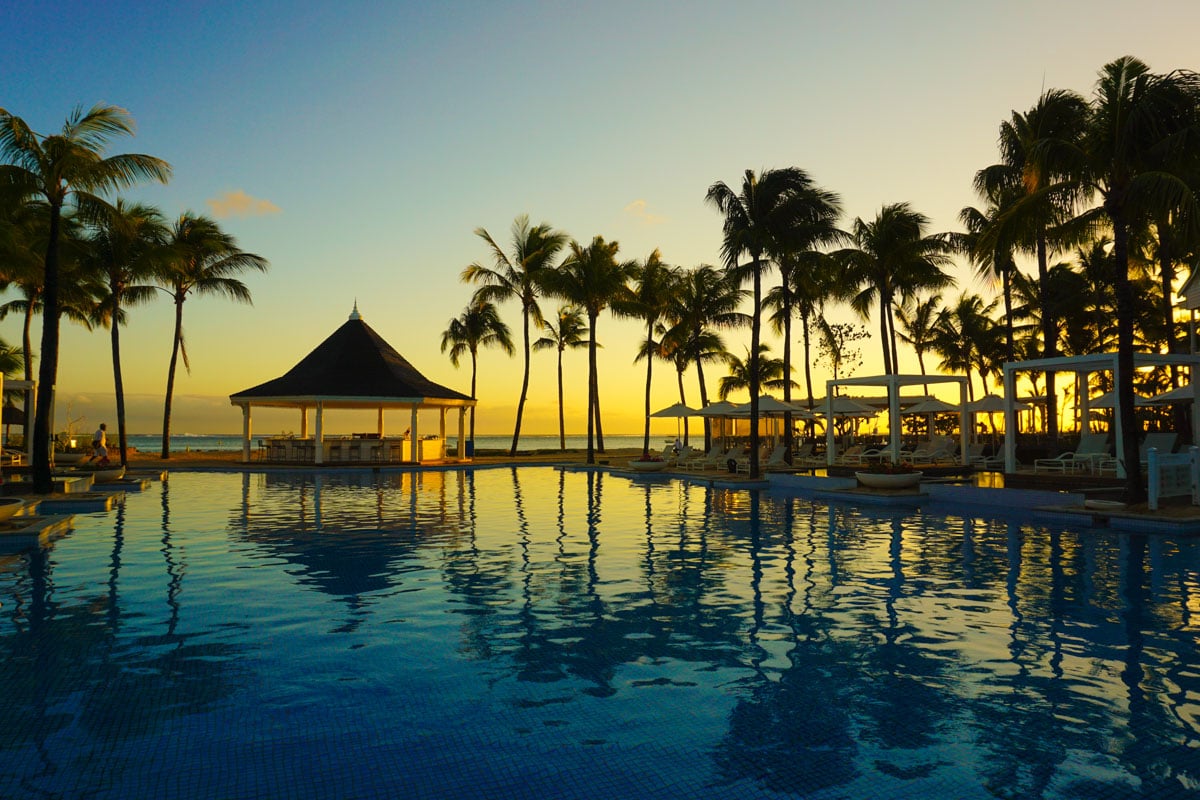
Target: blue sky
[358, 145]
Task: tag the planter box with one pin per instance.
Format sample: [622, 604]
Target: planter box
[883, 480]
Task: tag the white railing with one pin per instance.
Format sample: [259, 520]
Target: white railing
[1173, 475]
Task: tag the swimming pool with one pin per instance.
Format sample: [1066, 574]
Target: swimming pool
[542, 633]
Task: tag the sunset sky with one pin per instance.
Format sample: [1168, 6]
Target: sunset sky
[357, 146]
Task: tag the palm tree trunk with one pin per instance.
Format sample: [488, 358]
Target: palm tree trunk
[599, 427]
[755, 337]
[166, 433]
[1049, 338]
[43, 479]
[27, 341]
[787, 373]
[524, 386]
[703, 403]
[118, 380]
[649, 368]
[591, 417]
[1009, 338]
[562, 424]
[683, 400]
[462, 450]
[1134, 491]
[883, 335]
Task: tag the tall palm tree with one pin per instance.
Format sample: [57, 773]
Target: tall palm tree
[1030, 182]
[754, 225]
[705, 301]
[479, 325]
[771, 373]
[68, 167]
[918, 320]
[964, 335]
[1136, 152]
[592, 278]
[649, 301]
[893, 260]
[992, 256]
[127, 247]
[22, 262]
[566, 332]
[203, 262]
[518, 275]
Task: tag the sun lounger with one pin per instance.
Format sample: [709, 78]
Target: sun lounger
[1093, 448]
[776, 460]
[701, 461]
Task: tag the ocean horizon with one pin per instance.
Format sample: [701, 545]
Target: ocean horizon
[218, 442]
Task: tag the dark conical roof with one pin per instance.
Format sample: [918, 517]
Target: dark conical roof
[353, 363]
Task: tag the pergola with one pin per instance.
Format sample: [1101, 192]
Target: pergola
[352, 369]
[1085, 365]
[893, 384]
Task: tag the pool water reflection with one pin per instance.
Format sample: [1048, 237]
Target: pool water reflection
[538, 633]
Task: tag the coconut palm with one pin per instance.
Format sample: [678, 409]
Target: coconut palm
[649, 301]
[65, 168]
[991, 255]
[1136, 155]
[591, 278]
[518, 275]
[565, 332]
[770, 373]
[965, 335]
[893, 260]
[1036, 151]
[917, 320]
[127, 248]
[479, 325]
[755, 220]
[203, 262]
[704, 302]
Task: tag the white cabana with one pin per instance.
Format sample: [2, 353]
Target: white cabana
[893, 384]
[1084, 366]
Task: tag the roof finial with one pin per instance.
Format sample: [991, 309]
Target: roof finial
[354, 314]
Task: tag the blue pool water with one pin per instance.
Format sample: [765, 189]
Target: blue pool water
[539, 633]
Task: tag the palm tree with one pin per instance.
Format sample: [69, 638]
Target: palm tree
[1141, 132]
[770, 373]
[479, 325]
[705, 301]
[918, 320]
[893, 260]
[754, 225]
[61, 169]
[965, 335]
[127, 247]
[518, 276]
[203, 262]
[650, 301]
[992, 257]
[1035, 198]
[592, 279]
[812, 279]
[566, 332]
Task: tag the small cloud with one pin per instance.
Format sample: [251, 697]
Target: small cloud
[239, 204]
[637, 209]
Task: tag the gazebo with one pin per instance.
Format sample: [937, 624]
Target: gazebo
[353, 369]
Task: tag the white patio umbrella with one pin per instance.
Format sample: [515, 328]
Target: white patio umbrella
[1184, 394]
[721, 409]
[1108, 399]
[679, 411]
[847, 407]
[994, 404]
[930, 405]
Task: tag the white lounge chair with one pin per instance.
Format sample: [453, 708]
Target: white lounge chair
[775, 460]
[1093, 449]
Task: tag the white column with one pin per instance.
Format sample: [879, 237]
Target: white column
[1010, 421]
[412, 442]
[379, 424]
[1085, 407]
[462, 433]
[246, 433]
[1118, 429]
[303, 422]
[964, 434]
[319, 436]
[894, 426]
